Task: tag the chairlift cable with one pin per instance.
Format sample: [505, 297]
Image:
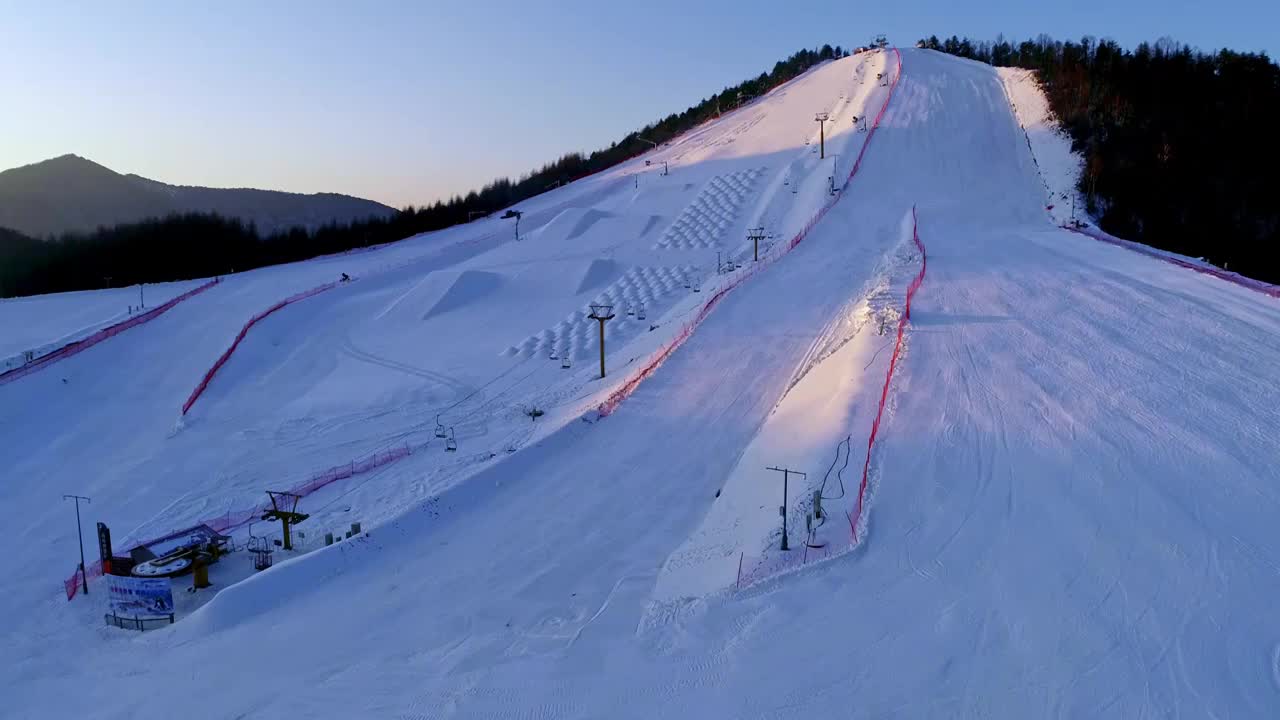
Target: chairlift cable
[839, 473]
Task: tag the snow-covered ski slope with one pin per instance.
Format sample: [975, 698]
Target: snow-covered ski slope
[44, 323]
[1071, 501]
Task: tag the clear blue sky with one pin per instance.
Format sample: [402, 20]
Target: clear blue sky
[405, 102]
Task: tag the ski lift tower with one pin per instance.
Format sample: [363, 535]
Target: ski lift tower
[514, 214]
[821, 118]
[601, 313]
[284, 507]
[755, 235]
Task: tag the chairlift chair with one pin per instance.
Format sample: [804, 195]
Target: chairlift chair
[450, 444]
[440, 431]
[564, 361]
[262, 549]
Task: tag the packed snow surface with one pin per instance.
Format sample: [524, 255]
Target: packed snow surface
[1071, 505]
[43, 323]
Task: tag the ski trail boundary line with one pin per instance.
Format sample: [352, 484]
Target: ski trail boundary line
[856, 518]
[78, 346]
[1188, 263]
[764, 567]
[226, 354]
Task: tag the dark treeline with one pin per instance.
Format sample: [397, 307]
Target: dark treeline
[202, 245]
[176, 247]
[1179, 145]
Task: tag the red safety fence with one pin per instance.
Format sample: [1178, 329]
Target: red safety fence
[72, 584]
[888, 377]
[1200, 267]
[752, 569]
[232, 520]
[615, 399]
[226, 354]
[79, 346]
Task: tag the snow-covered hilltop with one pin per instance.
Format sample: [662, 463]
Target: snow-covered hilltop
[1067, 508]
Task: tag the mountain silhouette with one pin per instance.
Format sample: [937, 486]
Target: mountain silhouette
[72, 193]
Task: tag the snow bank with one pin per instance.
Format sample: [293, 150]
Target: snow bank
[840, 391]
[1060, 167]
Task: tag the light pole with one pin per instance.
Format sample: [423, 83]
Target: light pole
[601, 314]
[785, 473]
[142, 303]
[514, 214]
[821, 118]
[84, 576]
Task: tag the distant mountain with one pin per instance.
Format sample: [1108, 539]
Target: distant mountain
[72, 193]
